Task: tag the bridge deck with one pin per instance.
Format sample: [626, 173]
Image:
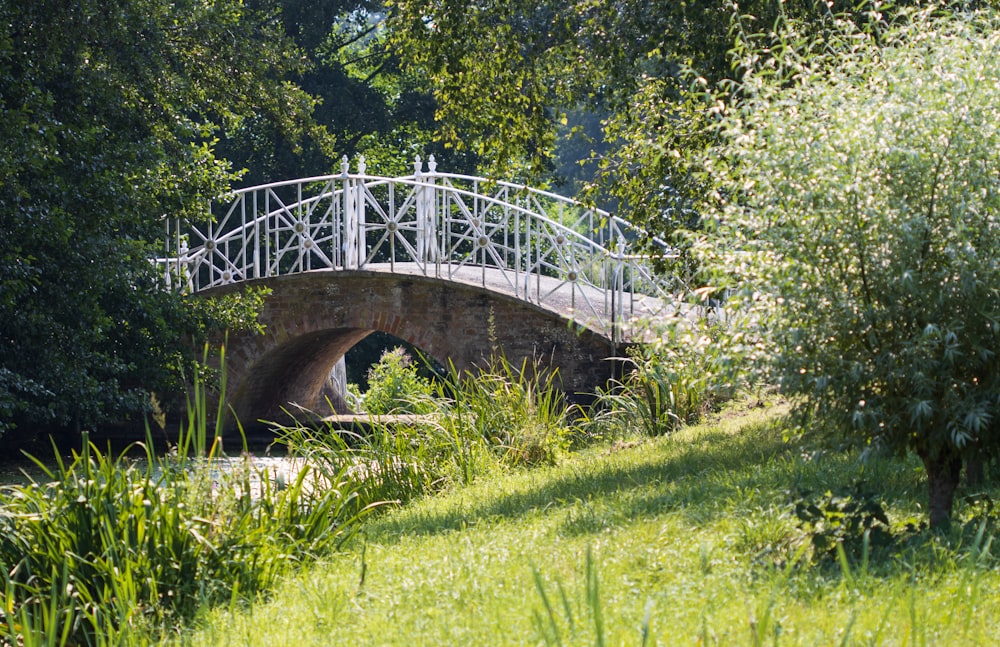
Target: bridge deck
[565, 298]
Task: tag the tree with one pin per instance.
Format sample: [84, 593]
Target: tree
[858, 225]
[506, 74]
[109, 111]
[365, 102]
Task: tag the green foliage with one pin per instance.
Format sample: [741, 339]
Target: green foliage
[668, 383]
[107, 128]
[367, 352]
[507, 75]
[16, 395]
[360, 99]
[853, 524]
[394, 386]
[858, 230]
[489, 101]
[519, 411]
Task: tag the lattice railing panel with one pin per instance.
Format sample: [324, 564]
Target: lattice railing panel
[539, 246]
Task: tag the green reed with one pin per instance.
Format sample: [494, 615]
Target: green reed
[107, 549]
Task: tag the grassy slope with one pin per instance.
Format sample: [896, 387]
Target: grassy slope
[691, 537]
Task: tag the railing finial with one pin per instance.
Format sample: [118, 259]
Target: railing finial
[362, 166]
[418, 166]
[431, 164]
[345, 166]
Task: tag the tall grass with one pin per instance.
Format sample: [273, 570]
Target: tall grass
[518, 411]
[668, 383]
[109, 550]
[570, 617]
[496, 417]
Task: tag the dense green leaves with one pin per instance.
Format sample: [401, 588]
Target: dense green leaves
[108, 112]
[116, 116]
[859, 223]
[395, 386]
[361, 100]
[507, 74]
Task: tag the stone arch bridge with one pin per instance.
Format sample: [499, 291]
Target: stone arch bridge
[458, 266]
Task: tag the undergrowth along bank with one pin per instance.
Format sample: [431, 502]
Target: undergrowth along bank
[497, 417]
[104, 549]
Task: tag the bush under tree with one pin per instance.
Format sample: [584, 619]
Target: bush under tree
[396, 387]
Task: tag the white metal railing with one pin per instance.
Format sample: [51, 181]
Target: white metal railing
[539, 246]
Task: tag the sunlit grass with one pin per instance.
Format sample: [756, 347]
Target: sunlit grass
[689, 539]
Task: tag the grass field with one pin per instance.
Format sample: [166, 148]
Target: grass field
[690, 539]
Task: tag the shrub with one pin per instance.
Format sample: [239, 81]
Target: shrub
[853, 523]
[395, 387]
[857, 223]
[388, 463]
[667, 383]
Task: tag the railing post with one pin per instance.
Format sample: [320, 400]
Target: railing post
[350, 218]
[427, 250]
[166, 254]
[257, 240]
[359, 204]
[618, 292]
[184, 270]
[418, 174]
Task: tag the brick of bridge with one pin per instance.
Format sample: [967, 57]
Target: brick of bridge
[312, 319]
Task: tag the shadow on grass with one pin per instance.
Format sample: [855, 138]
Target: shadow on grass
[716, 473]
[733, 486]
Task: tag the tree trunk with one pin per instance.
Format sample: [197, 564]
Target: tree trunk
[974, 471]
[944, 470]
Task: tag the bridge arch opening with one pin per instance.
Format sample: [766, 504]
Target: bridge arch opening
[367, 352]
[290, 375]
[292, 381]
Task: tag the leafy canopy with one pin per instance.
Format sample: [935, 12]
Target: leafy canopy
[361, 99]
[510, 75]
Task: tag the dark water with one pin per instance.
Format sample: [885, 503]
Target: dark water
[20, 472]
